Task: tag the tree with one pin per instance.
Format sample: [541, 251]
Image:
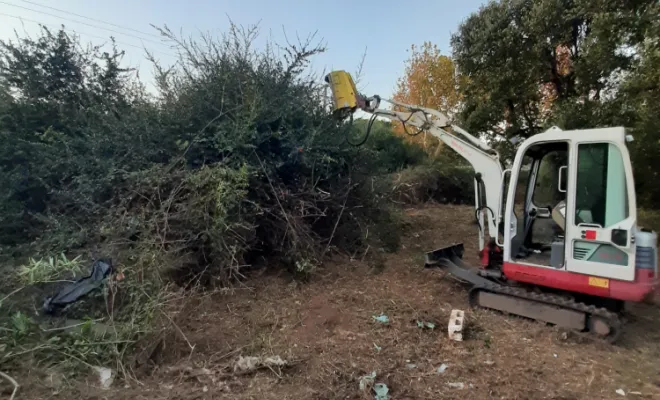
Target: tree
[570, 63]
[511, 49]
[430, 80]
[639, 106]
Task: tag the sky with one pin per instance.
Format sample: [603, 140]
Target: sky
[381, 31]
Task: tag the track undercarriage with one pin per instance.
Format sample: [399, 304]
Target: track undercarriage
[489, 292]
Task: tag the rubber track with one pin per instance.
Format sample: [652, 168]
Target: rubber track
[612, 319]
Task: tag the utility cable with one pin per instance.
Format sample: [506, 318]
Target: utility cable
[81, 33]
[91, 19]
[83, 23]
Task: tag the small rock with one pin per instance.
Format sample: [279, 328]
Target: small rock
[489, 362]
[442, 368]
[106, 376]
[620, 392]
[411, 366]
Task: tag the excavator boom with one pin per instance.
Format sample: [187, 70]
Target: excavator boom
[484, 160]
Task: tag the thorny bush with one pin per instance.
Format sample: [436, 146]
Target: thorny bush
[236, 159]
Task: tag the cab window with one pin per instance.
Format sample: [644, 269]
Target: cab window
[601, 187]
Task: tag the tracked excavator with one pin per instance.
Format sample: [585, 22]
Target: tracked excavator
[558, 235]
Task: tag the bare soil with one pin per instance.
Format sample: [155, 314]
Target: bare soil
[326, 330]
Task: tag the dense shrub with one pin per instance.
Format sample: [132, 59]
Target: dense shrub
[390, 152]
[433, 181]
[235, 158]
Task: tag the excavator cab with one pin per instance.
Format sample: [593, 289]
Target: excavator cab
[570, 216]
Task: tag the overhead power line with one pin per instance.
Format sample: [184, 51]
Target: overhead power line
[91, 19]
[83, 23]
[82, 33]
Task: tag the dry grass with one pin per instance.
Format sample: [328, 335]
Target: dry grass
[326, 328]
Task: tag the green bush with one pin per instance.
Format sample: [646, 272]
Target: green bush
[391, 153]
[434, 181]
[236, 157]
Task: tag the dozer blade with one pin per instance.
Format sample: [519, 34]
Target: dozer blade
[450, 259]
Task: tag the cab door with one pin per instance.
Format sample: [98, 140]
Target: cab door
[601, 208]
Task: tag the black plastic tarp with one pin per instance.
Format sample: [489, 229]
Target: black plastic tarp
[78, 289]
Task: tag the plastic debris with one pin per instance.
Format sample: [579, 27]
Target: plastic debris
[456, 385]
[489, 362]
[78, 289]
[442, 368]
[425, 324]
[620, 392]
[106, 376]
[381, 391]
[377, 347]
[248, 364]
[455, 327]
[382, 318]
[411, 366]
[367, 380]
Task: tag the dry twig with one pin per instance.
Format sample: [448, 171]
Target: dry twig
[13, 382]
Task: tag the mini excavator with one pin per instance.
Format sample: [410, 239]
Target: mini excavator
[563, 245]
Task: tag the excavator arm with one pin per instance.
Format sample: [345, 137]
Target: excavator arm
[484, 160]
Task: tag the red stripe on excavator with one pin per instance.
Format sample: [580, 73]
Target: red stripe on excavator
[638, 290]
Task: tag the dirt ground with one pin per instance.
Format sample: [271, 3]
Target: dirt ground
[326, 330]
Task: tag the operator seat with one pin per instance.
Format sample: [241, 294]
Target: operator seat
[559, 216]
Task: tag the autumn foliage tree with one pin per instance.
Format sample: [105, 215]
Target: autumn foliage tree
[430, 80]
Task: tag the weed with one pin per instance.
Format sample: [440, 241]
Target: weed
[107, 333]
[48, 269]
